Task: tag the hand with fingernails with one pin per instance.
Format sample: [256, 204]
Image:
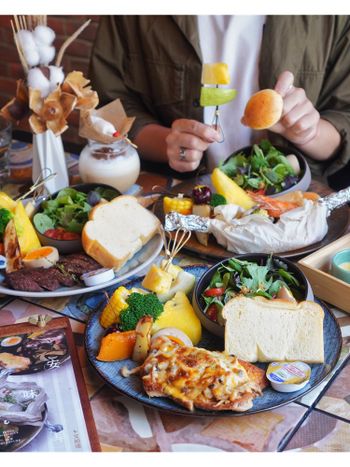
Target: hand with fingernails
[300, 120]
[186, 143]
[300, 124]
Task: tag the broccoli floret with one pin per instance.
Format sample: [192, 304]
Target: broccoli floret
[217, 200]
[5, 216]
[139, 305]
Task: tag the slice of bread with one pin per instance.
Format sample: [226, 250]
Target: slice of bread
[117, 230]
[261, 330]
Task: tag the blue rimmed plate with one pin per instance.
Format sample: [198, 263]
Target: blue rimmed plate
[132, 386]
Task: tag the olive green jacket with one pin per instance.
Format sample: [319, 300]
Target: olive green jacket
[153, 63]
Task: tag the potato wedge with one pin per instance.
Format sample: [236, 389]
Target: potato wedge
[12, 249]
[143, 338]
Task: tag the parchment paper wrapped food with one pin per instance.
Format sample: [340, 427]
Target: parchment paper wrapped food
[258, 234]
[253, 233]
[21, 403]
[114, 114]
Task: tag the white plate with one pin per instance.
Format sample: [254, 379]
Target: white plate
[136, 264]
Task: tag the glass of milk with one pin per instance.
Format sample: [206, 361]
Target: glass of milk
[116, 164]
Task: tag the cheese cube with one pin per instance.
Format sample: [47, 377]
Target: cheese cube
[215, 73]
[157, 280]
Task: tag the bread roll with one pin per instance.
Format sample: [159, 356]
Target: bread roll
[261, 330]
[117, 230]
[263, 110]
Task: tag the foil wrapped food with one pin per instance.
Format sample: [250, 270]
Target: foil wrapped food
[336, 200]
[175, 221]
[257, 233]
[21, 403]
[242, 232]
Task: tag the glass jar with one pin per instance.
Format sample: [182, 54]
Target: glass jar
[116, 164]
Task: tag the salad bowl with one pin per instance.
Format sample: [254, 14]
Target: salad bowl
[204, 293]
[272, 173]
[71, 241]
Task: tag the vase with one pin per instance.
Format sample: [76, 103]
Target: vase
[49, 158]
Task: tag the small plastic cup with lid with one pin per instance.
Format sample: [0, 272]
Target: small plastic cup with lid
[98, 276]
[288, 376]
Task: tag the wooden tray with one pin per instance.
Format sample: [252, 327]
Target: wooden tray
[337, 225]
[324, 285]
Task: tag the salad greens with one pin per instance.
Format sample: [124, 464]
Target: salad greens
[266, 169]
[217, 200]
[239, 277]
[5, 216]
[70, 209]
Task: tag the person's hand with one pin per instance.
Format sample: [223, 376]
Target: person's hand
[300, 120]
[186, 142]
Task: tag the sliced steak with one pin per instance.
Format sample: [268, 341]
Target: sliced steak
[78, 264]
[65, 279]
[84, 257]
[22, 280]
[64, 274]
[45, 278]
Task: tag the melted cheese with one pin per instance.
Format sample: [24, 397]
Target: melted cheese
[194, 376]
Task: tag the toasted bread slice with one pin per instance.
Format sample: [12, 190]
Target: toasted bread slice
[117, 230]
[261, 330]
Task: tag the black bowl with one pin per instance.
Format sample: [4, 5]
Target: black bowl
[305, 173]
[198, 303]
[68, 246]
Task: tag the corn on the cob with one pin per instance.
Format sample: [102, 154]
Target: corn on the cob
[117, 303]
[179, 204]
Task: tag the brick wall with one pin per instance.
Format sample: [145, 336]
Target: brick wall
[76, 58]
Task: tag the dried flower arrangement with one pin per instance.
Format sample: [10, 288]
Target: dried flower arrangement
[46, 96]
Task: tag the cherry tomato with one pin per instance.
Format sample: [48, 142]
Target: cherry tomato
[61, 234]
[70, 236]
[52, 233]
[212, 312]
[260, 192]
[214, 292]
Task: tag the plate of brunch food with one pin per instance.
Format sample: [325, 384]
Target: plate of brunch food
[150, 341]
[78, 240]
[228, 220]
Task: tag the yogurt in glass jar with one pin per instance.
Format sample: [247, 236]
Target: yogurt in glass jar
[116, 164]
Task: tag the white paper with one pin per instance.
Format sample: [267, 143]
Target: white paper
[48, 158]
[255, 233]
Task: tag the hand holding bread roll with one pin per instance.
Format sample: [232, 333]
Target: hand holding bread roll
[263, 110]
[286, 110]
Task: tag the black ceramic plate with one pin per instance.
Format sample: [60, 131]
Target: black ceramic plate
[132, 386]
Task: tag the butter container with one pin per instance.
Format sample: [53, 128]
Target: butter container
[98, 277]
[288, 376]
